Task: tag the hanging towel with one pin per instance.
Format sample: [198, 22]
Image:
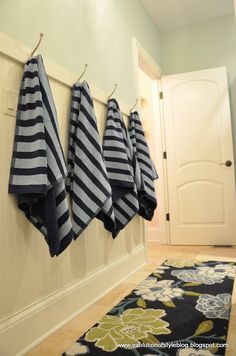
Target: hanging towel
[38, 166]
[147, 195]
[87, 180]
[122, 168]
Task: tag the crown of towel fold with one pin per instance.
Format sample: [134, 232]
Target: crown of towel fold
[38, 166]
[87, 180]
[147, 195]
[122, 168]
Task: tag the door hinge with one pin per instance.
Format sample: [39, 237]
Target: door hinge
[168, 217]
[165, 155]
[161, 95]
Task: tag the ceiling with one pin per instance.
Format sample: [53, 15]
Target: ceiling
[172, 14]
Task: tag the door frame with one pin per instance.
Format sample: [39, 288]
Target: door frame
[143, 61]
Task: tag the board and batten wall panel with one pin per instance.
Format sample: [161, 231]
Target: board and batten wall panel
[40, 293]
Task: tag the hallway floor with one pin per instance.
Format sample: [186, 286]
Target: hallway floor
[58, 342]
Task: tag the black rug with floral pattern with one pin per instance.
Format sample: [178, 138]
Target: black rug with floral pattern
[181, 309]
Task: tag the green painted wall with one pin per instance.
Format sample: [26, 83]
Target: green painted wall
[205, 45]
[97, 32]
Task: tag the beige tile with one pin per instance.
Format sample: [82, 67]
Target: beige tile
[63, 338]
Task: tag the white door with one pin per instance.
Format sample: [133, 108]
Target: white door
[201, 179]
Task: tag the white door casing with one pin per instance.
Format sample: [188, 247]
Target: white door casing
[151, 121]
[201, 187]
[143, 62]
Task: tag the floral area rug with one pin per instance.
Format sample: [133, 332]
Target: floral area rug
[181, 309]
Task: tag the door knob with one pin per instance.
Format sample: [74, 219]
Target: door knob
[227, 163]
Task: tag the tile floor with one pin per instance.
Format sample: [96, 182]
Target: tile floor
[69, 333]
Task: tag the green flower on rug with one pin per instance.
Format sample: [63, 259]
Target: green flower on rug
[193, 352]
[180, 263]
[151, 289]
[131, 327]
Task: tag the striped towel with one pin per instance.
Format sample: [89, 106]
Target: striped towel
[123, 172]
[87, 180]
[147, 196]
[38, 166]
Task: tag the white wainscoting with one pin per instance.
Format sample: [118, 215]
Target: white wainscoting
[38, 294]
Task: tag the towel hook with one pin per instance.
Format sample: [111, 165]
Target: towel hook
[113, 91]
[37, 46]
[85, 68]
[136, 102]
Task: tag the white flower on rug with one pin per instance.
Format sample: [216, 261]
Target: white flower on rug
[151, 289]
[193, 352]
[179, 263]
[205, 275]
[214, 306]
[225, 270]
[161, 269]
[77, 349]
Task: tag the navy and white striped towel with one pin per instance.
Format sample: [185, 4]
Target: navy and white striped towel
[87, 180]
[38, 166]
[121, 167]
[147, 195]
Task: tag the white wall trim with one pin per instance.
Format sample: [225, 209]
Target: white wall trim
[79, 295]
[144, 61]
[18, 52]
[166, 239]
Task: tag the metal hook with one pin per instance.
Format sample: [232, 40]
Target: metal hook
[113, 91]
[85, 68]
[37, 46]
[136, 102]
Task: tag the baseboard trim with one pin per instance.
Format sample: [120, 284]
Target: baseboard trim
[37, 321]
